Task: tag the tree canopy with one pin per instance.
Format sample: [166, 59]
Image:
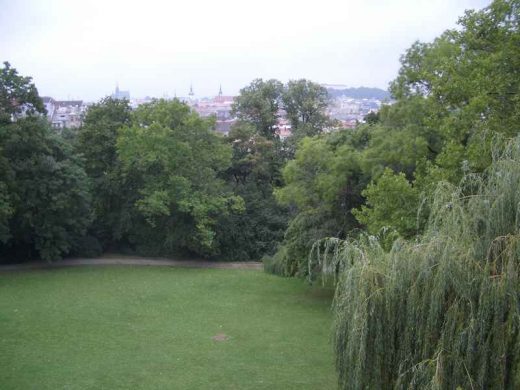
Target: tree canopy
[305, 103]
[258, 104]
[44, 191]
[177, 158]
[17, 95]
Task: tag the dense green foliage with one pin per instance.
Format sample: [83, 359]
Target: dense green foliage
[18, 95]
[322, 186]
[258, 104]
[152, 328]
[427, 289]
[157, 178]
[111, 196]
[254, 172]
[161, 182]
[259, 156]
[443, 312]
[390, 201]
[176, 157]
[305, 103]
[153, 176]
[44, 193]
[47, 191]
[453, 97]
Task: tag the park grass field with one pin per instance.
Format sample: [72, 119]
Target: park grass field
[163, 328]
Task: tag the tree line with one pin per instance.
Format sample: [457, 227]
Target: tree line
[157, 180]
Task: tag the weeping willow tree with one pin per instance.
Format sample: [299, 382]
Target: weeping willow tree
[442, 312]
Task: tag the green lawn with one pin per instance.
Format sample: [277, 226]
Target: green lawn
[152, 328]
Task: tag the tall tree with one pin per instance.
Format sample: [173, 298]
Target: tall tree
[47, 190]
[322, 185]
[112, 195]
[44, 198]
[470, 80]
[455, 96]
[258, 156]
[305, 103]
[178, 157]
[259, 104]
[17, 95]
[254, 172]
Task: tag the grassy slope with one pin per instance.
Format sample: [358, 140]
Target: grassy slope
[127, 327]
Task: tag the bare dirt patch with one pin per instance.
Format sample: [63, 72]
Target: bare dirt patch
[220, 337]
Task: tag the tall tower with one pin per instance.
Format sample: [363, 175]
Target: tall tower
[191, 94]
[220, 91]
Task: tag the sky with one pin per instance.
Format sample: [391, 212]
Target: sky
[82, 49]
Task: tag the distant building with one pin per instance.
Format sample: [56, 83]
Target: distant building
[224, 126]
[50, 106]
[64, 113]
[134, 103]
[120, 95]
[191, 94]
[219, 107]
[283, 127]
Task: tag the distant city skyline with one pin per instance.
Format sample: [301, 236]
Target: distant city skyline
[82, 50]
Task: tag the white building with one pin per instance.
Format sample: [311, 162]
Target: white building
[64, 113]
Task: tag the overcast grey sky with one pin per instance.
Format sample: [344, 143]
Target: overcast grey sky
[80, 49]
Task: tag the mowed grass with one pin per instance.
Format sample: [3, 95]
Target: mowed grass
[152, 328]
